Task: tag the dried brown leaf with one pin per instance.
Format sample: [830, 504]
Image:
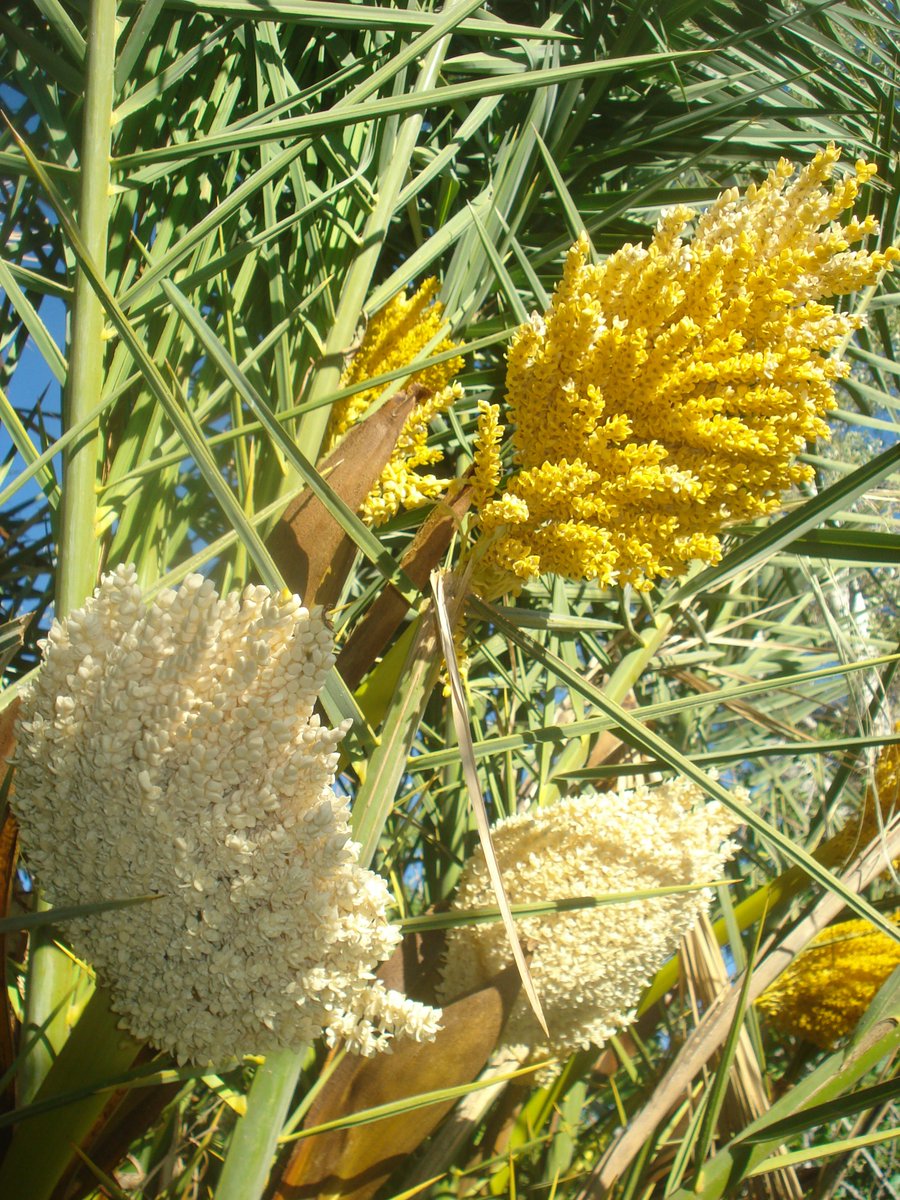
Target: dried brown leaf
[312, 551]
[353, 1163]
[7, 730]
[746, 1097]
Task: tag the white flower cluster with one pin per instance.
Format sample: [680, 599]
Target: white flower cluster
[590, 965]
[172, 749]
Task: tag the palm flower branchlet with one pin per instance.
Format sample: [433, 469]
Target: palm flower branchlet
[666, 392]
[171, 749]
[591, 965]
[394, 337]
[486, 468]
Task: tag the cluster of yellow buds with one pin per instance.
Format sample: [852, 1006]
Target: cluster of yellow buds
[667, 391]
[829, 985]
[827, 988]
[401, 484]
[395, 336]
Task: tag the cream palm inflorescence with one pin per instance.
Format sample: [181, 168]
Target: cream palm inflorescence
[171, 749]
[590, 965]
[667, 391]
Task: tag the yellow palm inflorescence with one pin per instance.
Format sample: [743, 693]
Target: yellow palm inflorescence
[879, 807]
[887, 778]
[397, 334]
[667, 391]
[827, 988]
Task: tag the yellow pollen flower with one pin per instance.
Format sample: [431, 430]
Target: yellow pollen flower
[887, 777]
[401, 485]
[829, 985]
[397, 334]
[666, 391]
[825, 991]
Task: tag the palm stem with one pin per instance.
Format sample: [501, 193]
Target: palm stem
[51, 973]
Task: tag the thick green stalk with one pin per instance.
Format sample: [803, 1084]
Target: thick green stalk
[78, 550]
[51, 974]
